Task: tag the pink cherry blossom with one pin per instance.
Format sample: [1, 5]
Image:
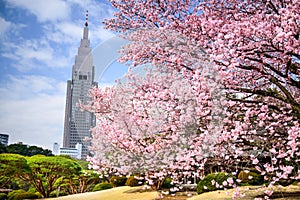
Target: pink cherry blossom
[225, 89]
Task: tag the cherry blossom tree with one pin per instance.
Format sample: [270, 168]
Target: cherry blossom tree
[150, 124]
[254, 47]
[255, 42]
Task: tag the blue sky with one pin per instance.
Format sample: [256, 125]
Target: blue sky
[39, 41]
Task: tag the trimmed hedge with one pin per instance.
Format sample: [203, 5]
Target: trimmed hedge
[102, 186]
[60, 194]
[132, 182]
[117, 181]
[216, 181]
[12, 194]
[26, 195]
[167, 183]
[256, 179]
[3, 196]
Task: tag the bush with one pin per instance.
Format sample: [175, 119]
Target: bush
[167, 183]
[102, 186]
[26, 195]
[60, 194]
[3, 196]
[216, 181]
[256, 179]
[12, 194]
[32, 190]
[132, 182]
[38, 194]
[118, 181]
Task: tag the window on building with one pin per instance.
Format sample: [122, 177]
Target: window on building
[82, 77]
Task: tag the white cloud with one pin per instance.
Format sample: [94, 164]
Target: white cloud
[71, 33]
[31, 54]
[57, 43]
[78, 2]
[32, 110]
[44, 10]
[7, 28]
[4, 26]
[100, 35]
[63, 32]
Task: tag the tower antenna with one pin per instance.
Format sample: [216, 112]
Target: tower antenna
[86, 18]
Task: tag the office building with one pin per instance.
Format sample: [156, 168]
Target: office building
[73, 152]
[78, 123]
[4, 139]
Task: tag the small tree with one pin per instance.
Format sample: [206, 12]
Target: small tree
[81, 183]
[47, 172]
[11, 166]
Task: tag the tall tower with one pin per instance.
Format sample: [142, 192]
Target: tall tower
[78, 123]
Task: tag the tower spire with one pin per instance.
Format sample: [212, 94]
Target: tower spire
[86, 18]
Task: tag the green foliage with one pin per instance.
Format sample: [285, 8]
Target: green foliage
[49, 171]
[12, 166]
[58, 194]
[252, 178]
[213, 182]
[132, 182]
[38, 194]
[84, 164]
[80, 183]
[11, 195]
[295, 183]
[118, 181]
[3, 196]
[31, 189]
[2, 148]
[26, 195]
[25, 150]
[167, 183]
[102, 186]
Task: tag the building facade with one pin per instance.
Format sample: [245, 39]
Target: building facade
[78, 123]
[73, 152]
[4, 139]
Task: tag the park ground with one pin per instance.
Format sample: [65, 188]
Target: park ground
[136, 193]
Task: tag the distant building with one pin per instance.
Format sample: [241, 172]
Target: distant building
[4, 139]
[55, 149]
[73, 152]
[78, 123]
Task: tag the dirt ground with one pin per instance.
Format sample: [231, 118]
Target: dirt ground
[136, 193]
[118, 193]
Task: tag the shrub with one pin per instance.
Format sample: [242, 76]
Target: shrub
[167, 183]
[118, 181]
[38, 194]
[256, 179]
[216, 181]
[132, 182]
[3, 196]
[12, 194]
[102, 186]
[26, 195]
[31, 189]
[60, 194]
[296, 183]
